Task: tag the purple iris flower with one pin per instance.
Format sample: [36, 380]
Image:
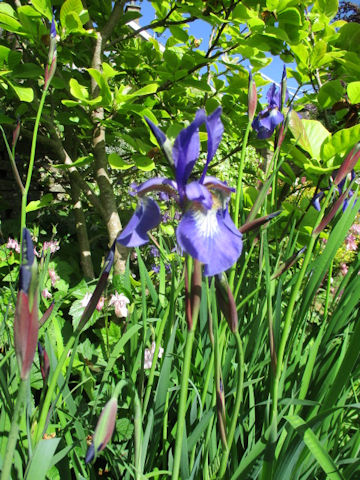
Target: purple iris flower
[269, 118]
[206, 231]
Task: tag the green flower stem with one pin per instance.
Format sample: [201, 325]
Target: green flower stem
[137, 435]
[185, 376]
[156, 354]
[11, 154]
[31, 162]
[52, 385]
[288, 318]
[14, 430]
[238, 399]
[239, 189]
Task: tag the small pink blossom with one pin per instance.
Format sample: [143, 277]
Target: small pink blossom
[53, 246]
[13, 245]
[86, 299]
[350, 243]
[119, 301]
[343, 269]
[46, 294]
[53, 277]
[355, 229]
[149, 355]
[100, 304]
[36, 253]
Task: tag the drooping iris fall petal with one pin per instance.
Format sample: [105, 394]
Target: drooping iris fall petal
[211, 237]
[146, 217]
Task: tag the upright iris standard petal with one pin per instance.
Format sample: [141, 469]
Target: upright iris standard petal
[159, 184]
[197, 192]
[186, 150]
[146, 217]
[163, 141]
[215, 130]
[211, 237]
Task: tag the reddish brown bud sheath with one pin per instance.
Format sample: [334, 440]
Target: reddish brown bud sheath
[226, 302]
[258, 222]
[327, 219]
[252, 98]
[26, 328]
[348, 164]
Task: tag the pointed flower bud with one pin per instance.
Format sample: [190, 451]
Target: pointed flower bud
[348, 164]
[258, 222]
[16, 133]
[51, 65]
[26, 324]
[284, 93]
[288, 263]
[252, 98]
[226, 301]
[104, 429]
[44, 362]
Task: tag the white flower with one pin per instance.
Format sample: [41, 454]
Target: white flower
[149, 355]
[86, 299]
[53, 277]
[13, 245]
[120, 303]
[46, 294]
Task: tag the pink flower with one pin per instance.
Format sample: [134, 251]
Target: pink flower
[355, 229]
[46, 294]
[86, 299]
[119, 301]
[350, 242]
[100, 304]
[53, 277]
[36, 253]
[13, 245]
[149, 355]
[53, 246]
[343, 269]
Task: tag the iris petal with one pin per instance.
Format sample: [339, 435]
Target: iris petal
[146, 217]
[163, 141]
[186, 150]
[215, 129]
[196, 192]
[159, 184]
[211, 237]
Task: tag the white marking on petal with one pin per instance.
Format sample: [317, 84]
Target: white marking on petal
[206, 222]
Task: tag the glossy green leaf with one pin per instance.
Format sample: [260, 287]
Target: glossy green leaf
[44, 201]
[340, 142]
[327, 7]
[44, 7]
[25, 94]
[68, 8]
[297, 128]
[115, 161]
[330, 93]
[316, 134]
[353, 91]
[144, 163]
[290, 16]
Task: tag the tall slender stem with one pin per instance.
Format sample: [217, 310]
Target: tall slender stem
[238, 399]
[195, 294]
[14, 430]
[239, 189]
[31, 161]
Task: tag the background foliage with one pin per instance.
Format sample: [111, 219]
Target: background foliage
[92, 144]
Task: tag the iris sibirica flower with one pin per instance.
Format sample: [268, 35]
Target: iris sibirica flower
[269, 118]
[206, 231]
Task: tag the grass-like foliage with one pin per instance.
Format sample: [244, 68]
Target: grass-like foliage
[219, 338]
